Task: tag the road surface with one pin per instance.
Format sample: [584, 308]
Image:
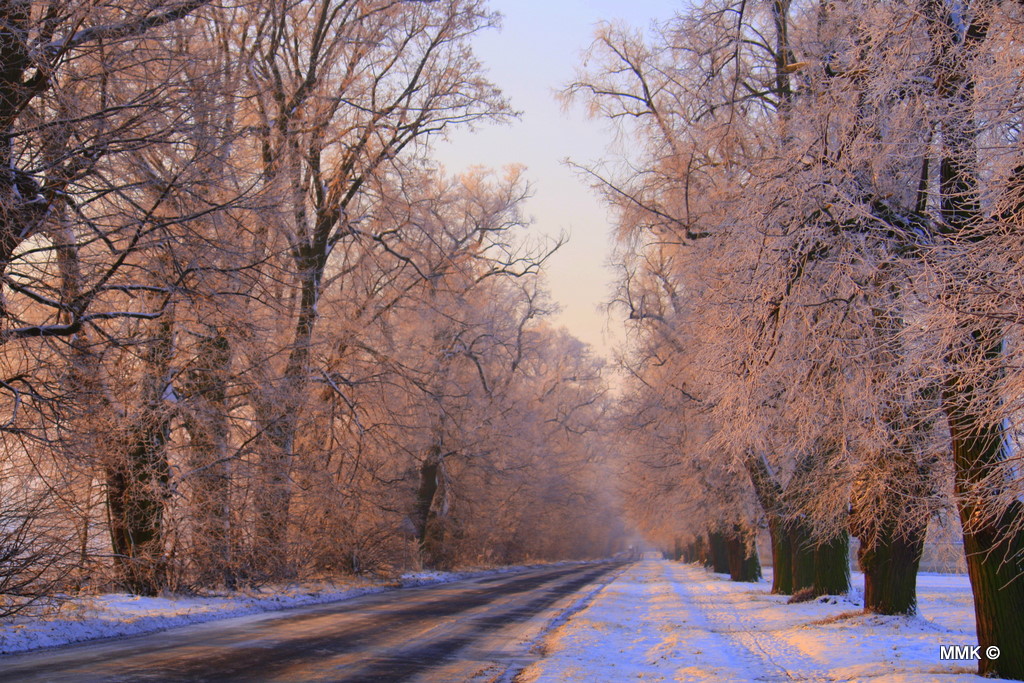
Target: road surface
[473, 630]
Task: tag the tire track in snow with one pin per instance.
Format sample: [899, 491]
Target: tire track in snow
[727, 611]
[636, 628]
[662, 621]
[655, 622]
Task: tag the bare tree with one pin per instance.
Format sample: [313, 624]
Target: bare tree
[99, 135]
[341, 90]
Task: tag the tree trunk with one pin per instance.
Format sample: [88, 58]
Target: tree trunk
[994, 545]
[20, 210]
[272, 502]
[890, 561]
[136, 493]
[995, 563]
[736, 552]
[425, 496]
[744, 564]
[993, 542]
[137, 479]
[430, 513]
[282, 412]
[832, 566]
[700, 551]
[782, 556]
[719, 553]
[752, 565]
[773, 501]
[802, 550]
[210, 504]
[205, 386]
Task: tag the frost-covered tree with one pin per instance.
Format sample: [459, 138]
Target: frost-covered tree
[842, 179]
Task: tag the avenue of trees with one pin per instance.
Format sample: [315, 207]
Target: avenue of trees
[249, 331]
[820, 232]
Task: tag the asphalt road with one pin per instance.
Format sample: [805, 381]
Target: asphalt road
[473, 630]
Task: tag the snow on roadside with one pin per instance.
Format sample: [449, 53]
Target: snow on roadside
[122, 615]
[668, 621]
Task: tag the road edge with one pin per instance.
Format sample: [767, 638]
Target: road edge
[514, 670]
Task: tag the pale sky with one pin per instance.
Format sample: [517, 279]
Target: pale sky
[534, 55]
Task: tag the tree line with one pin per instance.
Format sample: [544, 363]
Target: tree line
[249, 330]
[819, 225]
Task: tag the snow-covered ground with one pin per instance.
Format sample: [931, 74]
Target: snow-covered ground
[120, 615]
[657, 621]
[666, 621]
